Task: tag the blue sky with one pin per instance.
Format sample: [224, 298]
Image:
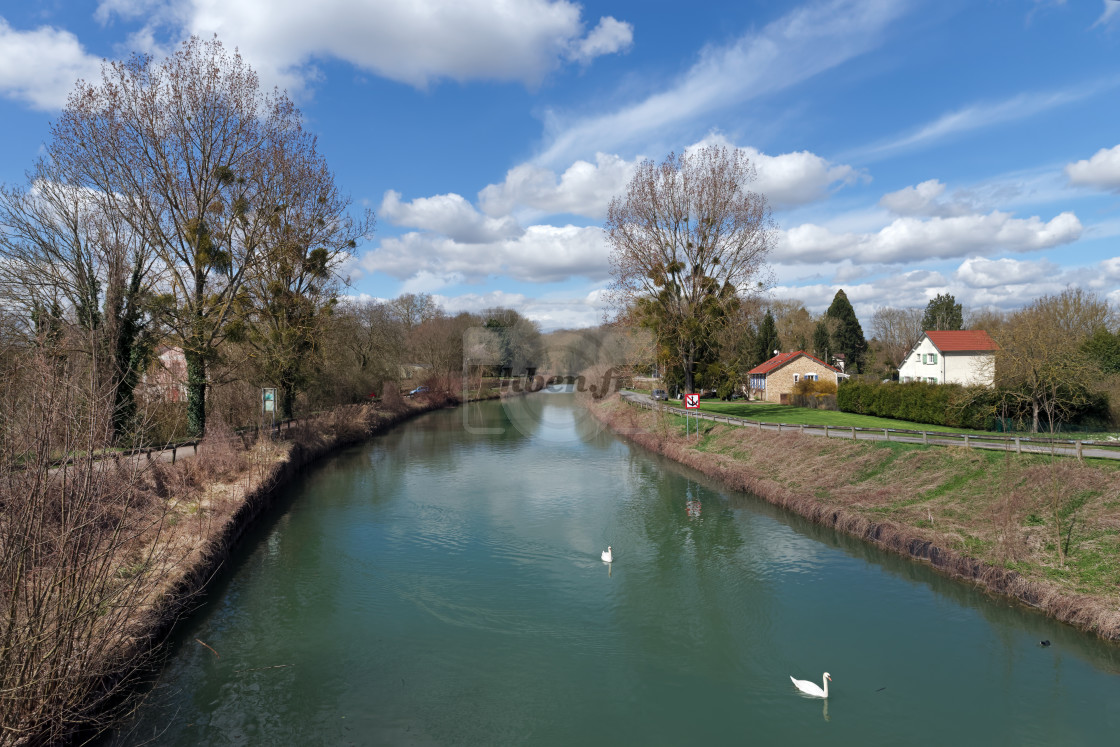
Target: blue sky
[907, 147]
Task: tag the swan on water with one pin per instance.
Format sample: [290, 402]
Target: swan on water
[607, 556]
[811, 688]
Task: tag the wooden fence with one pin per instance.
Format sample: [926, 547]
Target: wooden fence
[1017, 444]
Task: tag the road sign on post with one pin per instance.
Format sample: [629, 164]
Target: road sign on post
[268, 404]
[692, 401]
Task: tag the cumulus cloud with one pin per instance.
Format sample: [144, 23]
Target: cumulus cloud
[1102, 171]
[542, 254]
[583, 189]
[790, 179]
[925, 200]
[450, 215]
[412, 42]
[911, 239]
[977, 272]
[586, 188]
[555, 312]
[41, 66]
[610, 36]
[798, 178]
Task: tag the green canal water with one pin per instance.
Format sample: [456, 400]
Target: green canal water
[442, 585]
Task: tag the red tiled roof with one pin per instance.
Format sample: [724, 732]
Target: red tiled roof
[781, 359]
[962, 340]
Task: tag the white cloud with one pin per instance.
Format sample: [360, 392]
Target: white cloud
[41, 66]
[977, 283]
[910, 239]
[1102, 171]
[1109, 15]
[610, 36]
[978, 117]
[571, 312]
[924, 200]
[798, 178]
[450, 215]
[429, 282]
[586, 188]
[977, 272]
[541, 254]
[797, 46]
[411, 41]
[583, 189]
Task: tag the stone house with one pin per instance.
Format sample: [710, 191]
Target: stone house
[166, 378]
[773, 380]
[964, 356]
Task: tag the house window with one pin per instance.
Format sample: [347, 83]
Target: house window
[933, 357]
[811, 377]
[931, 379]
[796, 378]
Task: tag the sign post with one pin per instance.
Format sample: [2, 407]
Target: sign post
[691, 402]
[268, 403]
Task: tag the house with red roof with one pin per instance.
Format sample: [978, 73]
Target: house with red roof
[773, 380]
[964, 356]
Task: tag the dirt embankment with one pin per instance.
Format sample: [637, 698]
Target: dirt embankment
[1040, 529]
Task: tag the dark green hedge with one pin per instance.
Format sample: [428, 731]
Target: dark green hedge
[958, 406]
[936, 404]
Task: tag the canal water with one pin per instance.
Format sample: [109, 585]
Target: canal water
[442, 584]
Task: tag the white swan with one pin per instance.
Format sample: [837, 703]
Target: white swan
[810, 688]
[607, 556]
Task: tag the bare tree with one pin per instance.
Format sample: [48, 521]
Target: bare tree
[413, 309]
[62, 245]
[184, 150]
[1041, 365]
[686, 240]
[897, 330]
[793, 322]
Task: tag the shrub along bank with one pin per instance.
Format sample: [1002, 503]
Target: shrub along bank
[1043, 530]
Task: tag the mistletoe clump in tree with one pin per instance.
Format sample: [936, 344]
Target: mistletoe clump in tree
[687, 239]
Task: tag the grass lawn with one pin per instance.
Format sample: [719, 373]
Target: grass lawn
[769, 412]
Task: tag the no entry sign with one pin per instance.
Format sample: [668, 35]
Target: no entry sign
[692, 401]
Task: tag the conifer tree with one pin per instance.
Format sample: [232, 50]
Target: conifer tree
[848, 337]
[822, 340]
[766, 342]
[943, 313]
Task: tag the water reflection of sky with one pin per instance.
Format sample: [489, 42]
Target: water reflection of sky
[438, 586]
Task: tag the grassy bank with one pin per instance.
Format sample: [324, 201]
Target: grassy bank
[1044, 530]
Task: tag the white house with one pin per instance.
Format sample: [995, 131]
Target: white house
[962, 357]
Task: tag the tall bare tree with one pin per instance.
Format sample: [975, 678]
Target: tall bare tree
[897, 331]
[184, 149]
[794, 323]
[686, 240]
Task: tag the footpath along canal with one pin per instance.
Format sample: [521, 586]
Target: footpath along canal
[442, 584]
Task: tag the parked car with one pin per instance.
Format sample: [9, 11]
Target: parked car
[660, 394]
[417, 390]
